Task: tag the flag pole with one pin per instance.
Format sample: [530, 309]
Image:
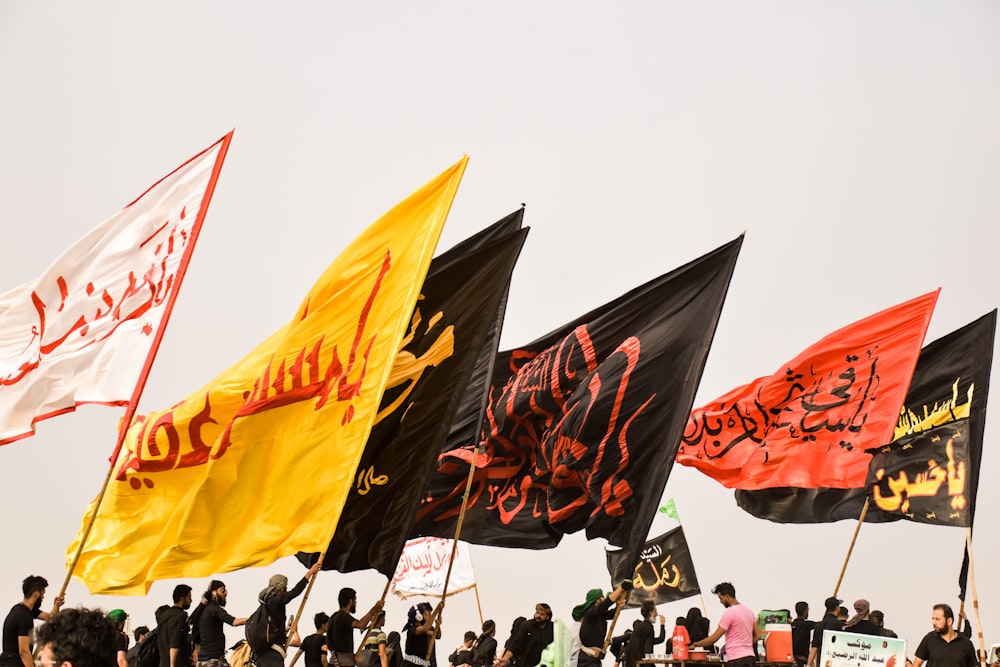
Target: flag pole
[975, 597]
[454, 548]
[153, 349]
[861, 519]
[479, 605]
[614, 621]
[298, 612]
[371, 622]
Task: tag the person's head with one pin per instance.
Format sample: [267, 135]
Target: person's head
[118, 617]
[877, 617]
[392, 639]
[33, 588]
[277, 584]
[470, 636]
[543, 613]
[78, 637]
[726, 593]
[648, 609]
[802, 609]
[182, 596]
[380, 619]
[489, 627]
[694, 614]
[942, 618]
[594, 596]
[218, 592]
[861, 609]
[321, 619]
[681, 621]
[842, 613]
[516, 624]
[139, 633]
[348, 600]
[832, 605]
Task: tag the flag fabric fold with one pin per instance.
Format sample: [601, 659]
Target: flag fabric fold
[929, 473]
[583, 424]
[85, 331]
[452, 332]
[257, 464]
[664, 571]
[809, 424]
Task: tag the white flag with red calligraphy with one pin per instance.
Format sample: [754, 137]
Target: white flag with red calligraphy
[423, 566]
[87, 329]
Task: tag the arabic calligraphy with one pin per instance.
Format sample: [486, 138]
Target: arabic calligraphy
[74, 313]
[943, 412]
[896, 485]
[666, 574]
[367, 479]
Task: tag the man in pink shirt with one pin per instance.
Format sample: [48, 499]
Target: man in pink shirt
[738, 624]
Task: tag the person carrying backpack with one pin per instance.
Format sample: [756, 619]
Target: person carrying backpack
[484, 651]
[273, 600]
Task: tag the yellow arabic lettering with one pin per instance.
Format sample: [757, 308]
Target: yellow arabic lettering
[367, 479]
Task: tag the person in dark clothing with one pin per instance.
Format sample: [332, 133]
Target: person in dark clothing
[340, 635]
[376, 646]
[484, 651]
[417, 632]
[118, 617]
[642, 640]
[393, 649]
[802, 629]
[943, 646]
[211, 638]
[860, 623]
[275, 599]
[132, 655]
[463, 654]
[314, 646]
[593, 615]
[79, 638]
[172, 633]
[17, 649]
[697, 625]
[830, 621]
[619, 644]
[524, 648]
[878, 618]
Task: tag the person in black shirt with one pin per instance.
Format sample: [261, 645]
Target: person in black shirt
[20, 620]
[942, 646]
[524, 648]
[484, 651]
[211, 635]
[173, 635]
[275, 599]
[802, 629]
[860, 623]
[132, 656]
[118, 617]
[698, 626]
[340, 635]
[594, 614]
[79, 638]
[828, 622]
[463, 654]
[643, 640]
[314, 646]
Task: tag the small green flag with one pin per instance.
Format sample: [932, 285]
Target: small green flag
[671, 510]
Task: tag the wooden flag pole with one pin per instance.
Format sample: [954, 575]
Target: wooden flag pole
[454, 549]
[371, 622]
[298, 612]
[479, 605]
[975, 597]
[854, 538]
[614, 621]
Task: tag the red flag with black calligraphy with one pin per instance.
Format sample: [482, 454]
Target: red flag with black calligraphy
[930, 472]
[809, 424]
[583, 424]
[87, 329]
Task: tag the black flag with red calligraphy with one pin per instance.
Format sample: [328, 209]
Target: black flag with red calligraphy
[664, 571]
[453, 336]
[583, 424]
[930, 472]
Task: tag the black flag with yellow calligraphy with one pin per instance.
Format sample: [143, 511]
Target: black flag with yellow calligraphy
[453, 328]
[930, 471]
[583, 424]
[664, 573]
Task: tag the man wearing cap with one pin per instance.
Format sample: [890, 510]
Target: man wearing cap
[829, 622]
[118, 617]
[860, 623]
[212, 638]
[525, 646]
[593, 615]
[943, 646]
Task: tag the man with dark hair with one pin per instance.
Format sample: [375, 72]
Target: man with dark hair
[78, 638]
[878, 618]
[314, 646]
[738, 624]
[942, 646]
[643, 637]
[524, 648]
[211, 637]
[17, 649]
[172, 631]
[828, 622]
[593, 615]
[802, 629]
[132, 655]
[463, 654]
[340, 636]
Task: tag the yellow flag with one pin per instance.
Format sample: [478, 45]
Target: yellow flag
[257, 464]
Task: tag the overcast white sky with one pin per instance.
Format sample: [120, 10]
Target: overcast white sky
[856, 143]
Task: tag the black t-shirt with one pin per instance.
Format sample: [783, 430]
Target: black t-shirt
[313, 650]
[340, 634]
[801, 634]
[863, 627]
[527, 642]
[18, 623]
[959, 652]
[829, 622]
[173, 632]
[213, 638]
[122, 642]
[594, 624]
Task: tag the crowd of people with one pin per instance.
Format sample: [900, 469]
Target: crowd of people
[91, 638]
